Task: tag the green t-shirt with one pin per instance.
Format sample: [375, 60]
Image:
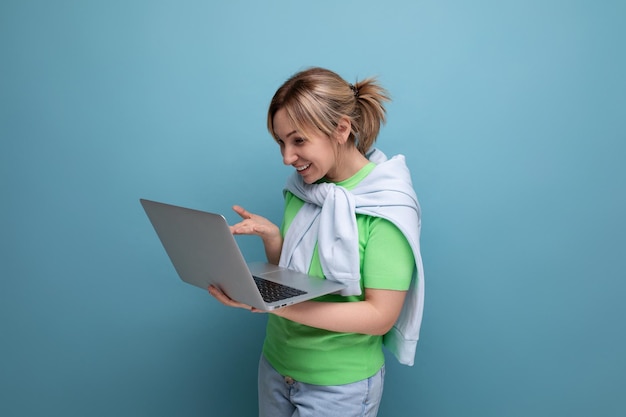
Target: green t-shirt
[322, 357]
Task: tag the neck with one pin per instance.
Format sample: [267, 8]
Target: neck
[349, 162]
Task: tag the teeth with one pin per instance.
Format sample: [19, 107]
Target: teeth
[302, 168]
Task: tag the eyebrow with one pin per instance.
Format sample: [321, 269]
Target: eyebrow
[288, 134]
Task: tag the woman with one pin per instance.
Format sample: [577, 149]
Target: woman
[351, 215]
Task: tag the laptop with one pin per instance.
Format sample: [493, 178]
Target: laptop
[204, 252]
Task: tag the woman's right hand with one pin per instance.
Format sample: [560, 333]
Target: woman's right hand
[253, 224]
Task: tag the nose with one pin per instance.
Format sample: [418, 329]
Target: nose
[289, 156]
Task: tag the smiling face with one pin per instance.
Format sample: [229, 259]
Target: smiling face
[312, 153]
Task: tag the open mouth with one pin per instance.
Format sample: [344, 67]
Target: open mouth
[303, 167]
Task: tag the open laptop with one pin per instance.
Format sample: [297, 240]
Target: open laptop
[204, 252]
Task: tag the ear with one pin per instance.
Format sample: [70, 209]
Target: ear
[342, 132]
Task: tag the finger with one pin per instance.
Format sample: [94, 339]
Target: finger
[243, 228]
[219, 295]
[236, 228]
[245, 214]
[226, 300]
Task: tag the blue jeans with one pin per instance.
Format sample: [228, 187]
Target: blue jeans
[281, 396]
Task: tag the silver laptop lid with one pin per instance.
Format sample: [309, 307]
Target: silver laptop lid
[203, 250]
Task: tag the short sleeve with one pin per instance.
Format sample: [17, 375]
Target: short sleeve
[388, 261]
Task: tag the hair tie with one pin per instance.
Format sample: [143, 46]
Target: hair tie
[355, 90]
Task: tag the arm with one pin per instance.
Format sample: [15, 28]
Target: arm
[388, 265]
[375, 315]
[253, 224]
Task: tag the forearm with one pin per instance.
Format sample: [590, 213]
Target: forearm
[355, 317]
[373, 316]
[273, 248]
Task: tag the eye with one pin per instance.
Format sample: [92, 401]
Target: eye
[298, 141]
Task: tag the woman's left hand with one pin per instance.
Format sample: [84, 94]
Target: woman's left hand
[227, 301]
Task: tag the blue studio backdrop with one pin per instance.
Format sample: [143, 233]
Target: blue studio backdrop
[510, 114]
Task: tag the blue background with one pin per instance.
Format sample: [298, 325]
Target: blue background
[511, 115]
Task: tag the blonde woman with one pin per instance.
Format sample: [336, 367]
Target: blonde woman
[350, 215]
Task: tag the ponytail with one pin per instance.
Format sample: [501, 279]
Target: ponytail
[370, 112]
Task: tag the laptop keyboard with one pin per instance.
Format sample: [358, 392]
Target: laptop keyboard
[273, 291]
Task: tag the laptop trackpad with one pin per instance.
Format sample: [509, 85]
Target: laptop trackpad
[287, 276]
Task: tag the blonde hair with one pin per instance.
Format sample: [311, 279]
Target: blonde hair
[319, 98]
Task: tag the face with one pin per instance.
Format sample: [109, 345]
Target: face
[312, 154]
